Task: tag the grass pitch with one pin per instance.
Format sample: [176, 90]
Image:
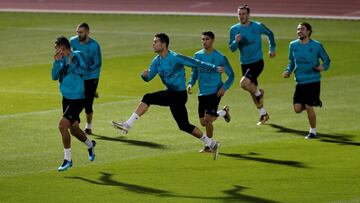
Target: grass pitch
[156, 162]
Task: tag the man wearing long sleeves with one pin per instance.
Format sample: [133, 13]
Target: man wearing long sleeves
[170, 67]
[246, 37]
[304, 55]
[69, 67]
[91, 50]
[211, 87]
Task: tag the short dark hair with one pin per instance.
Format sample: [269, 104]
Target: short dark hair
[308, 27]
[209, 34]
[163, 38]
[245, 6]
[62, 42]
[85, 26]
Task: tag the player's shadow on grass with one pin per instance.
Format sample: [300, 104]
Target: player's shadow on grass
[253, 157]
[342, 139]
[233, 194]
[106, 180]
[130, 141]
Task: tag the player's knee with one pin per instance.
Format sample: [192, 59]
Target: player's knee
[203, 122]
[244, 82]
[207, 120]
[298, 109]
[62, 127]
[147, 98]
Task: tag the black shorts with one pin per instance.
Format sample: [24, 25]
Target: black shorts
[308, 94]
[72, 109]
[90, 89]
[208, 104]
[176, 100]
[252, 70]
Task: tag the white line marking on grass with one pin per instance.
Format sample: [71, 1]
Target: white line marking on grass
[17, 115]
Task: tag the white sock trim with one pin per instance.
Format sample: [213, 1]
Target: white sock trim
[67, 154]
[313, 131]
[221, 113]
[132, 119]
[88, 143]
[262, 111]
[88, 126]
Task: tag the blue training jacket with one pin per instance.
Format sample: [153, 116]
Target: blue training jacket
[211, 82]
[92, 53]
[71, 76]
[303, 58]
[172, 72]
[250, 45]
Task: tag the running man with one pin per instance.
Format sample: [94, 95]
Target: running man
[246, 36]
[211, 87]
[68, 68]
[91, 50]
[170, 68]
[304, 55]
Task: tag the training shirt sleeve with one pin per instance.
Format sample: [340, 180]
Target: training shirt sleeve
[230, 74]
[194, 76]
[270, 35]
[153, 70]
[232, 42]
[291, 64]
[194, 63]
[80, 65]
[57, 69]
[324, 57]
[97, 59]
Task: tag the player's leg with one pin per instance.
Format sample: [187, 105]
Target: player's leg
[179, 112]
[81, 136]
[312, 100]
[157, 98]
[90, 90]
[64, 125]
[249, 82]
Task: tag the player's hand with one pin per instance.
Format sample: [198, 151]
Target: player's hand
[189, 91]
[58, 54]
[220, 69]
[145, 73]
[319, 68]
[221, 92]
[272, 54]
[286, 74]
[237, 38]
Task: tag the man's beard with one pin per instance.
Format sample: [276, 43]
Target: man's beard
[82, 39]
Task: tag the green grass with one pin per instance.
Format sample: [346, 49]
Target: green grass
[156, 162]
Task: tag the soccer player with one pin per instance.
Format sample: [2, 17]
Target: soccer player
[211, 87]
[304, 55]
[246, 36]
[68, 68]
[91, 50]
[170, 67]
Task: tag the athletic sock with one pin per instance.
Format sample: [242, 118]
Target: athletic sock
[88, 143]
[262, 111]
[67, 154]
[221, 113]
[257, 93]
[313, 131]
[132, 119]
[206, 140]
[88, 126]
